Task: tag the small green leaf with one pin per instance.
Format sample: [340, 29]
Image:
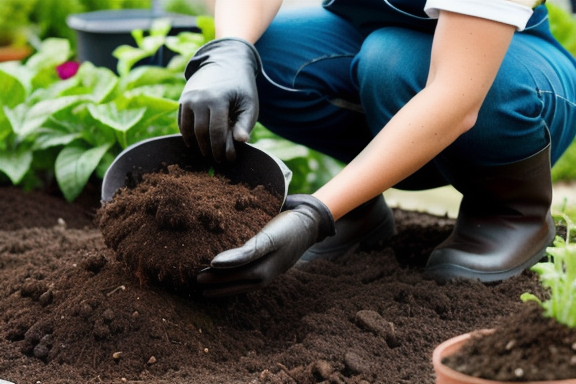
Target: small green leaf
[15, 163]
[526, 296]
[74, 165]
[160, 27]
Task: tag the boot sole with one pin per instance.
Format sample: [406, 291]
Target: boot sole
[444, 273]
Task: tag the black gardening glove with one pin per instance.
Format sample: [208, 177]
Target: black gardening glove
[219, 103]
[271, 252]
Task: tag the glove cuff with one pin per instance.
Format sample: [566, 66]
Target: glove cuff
[309, 205]
[212, 48]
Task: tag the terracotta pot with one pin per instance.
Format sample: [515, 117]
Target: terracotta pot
[446, 375]
[9, 53]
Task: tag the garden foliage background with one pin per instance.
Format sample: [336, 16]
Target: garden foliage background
[62, 123]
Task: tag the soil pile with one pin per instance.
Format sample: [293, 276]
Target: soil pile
[509, 353]
[71, 313]
[172, 224]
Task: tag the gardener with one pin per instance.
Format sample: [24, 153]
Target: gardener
[410, 94]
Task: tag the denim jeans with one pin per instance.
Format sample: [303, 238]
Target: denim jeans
[332, 87]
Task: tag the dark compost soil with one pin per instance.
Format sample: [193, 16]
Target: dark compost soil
[71, 313]
[171, 224]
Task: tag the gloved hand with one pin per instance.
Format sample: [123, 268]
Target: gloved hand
[271, 252]
[219, 103]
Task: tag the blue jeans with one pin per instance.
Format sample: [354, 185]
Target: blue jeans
[332, 87]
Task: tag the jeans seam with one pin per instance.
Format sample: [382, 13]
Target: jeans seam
[316, 60]
[557, 96]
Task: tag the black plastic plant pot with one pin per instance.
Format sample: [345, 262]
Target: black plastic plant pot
[99, 33]
[252, 166]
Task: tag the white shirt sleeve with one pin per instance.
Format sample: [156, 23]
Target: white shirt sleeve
[503, 11]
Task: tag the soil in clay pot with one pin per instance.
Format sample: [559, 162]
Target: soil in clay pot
[70, 312]
[524, 347]
[172, 223]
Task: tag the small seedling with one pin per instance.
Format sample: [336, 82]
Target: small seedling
[558, 275]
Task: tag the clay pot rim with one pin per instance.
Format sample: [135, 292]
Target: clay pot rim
[451, 345]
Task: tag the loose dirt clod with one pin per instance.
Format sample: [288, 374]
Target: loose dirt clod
[173, 223]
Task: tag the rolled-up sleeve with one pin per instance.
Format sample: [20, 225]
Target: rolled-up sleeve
[503, 11]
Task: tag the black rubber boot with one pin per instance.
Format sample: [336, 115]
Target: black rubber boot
[504, 224]
[369, 225]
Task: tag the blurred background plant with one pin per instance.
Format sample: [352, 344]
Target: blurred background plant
[30, 21]
[88, 114]
[65, 122]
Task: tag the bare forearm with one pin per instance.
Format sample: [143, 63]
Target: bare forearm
[466, 55]
[246, 19]
[411, 139]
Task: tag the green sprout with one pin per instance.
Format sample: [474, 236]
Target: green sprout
[558, 275]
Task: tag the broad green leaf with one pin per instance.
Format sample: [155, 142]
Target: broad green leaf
[152, 104]
[159, 124]
[52, 52]
[177, 64]
[283, 149]
[152, 44]
[5, 130]
[52, 138]
[74, 165]
[104, 164]
[13, 91]
[20, 72]
[26, 119]
[15, 163]
[98, 82]
[185, 43]
[128, 56]
[120, 120]
[150, 75]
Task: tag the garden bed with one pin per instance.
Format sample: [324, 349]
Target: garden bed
[70, 312]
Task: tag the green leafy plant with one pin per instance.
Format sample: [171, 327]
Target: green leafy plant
[68, 129]
[564, 169]
[563, 27]
[15, 21]
[558, 275]
[310, 169]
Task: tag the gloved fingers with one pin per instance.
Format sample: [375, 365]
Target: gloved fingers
[219, 130]
[244, 121]
[186, 124]
[255, 248]
[291, 202]
[202, 129]
[230, 149]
